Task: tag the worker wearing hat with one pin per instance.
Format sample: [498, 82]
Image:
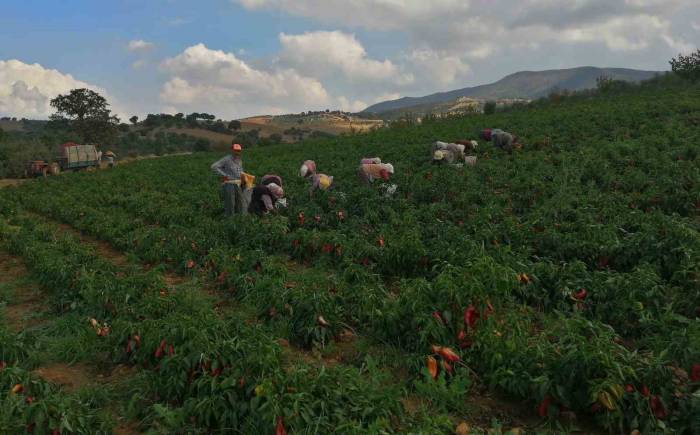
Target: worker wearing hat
[229, 169]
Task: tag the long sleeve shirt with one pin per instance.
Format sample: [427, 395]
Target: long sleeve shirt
[316, 181]
[228, 166]
[368, 173]
[502, 139]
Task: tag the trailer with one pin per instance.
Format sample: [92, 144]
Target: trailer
[72, 157]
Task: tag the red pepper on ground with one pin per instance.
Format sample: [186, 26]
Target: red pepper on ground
[470, 316]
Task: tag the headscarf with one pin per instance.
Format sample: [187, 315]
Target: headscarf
[307, 168]
[486, 134]
[275, 190]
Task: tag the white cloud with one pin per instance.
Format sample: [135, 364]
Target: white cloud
[479, 29]
[440, 68]
[330, 53]
[27, 89]
[351, 106]
[139, 45]
[138, 64]
[695, 25]
[202, 79]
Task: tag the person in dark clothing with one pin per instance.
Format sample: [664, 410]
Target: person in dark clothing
[263, 199]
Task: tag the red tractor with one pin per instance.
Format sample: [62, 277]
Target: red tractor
[72, 157]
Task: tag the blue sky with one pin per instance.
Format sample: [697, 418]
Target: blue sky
[243, 57]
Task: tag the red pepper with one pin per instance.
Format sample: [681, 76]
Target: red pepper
[448, 354]
[581, 294]
[137, 339]
[3, 364]
[437, 316]
[29, 400]
[300, 218]
[489, 310]
[380, 241]
[317, 218]
[470, 316]
[171, 350]
[327, 248]
[644, 391]
[128, 346]
[658, 408]
[161, 347]
[695, 373]
[543, 409]
[629, 388]
[279, 429]
[296, 243]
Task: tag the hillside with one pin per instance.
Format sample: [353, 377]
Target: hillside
[525, 85]
[552, 290]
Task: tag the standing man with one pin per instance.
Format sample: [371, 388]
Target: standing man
[229, 168]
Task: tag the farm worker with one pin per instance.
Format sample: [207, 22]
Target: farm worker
[110, 158]
[501, 139]
[307, 169]
[320, 181]
[370, 161]
[469, 144]
[229, 168]
[264, 198]
[369, 172]
[447, 152]
[443, 156]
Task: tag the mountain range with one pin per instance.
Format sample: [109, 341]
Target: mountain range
[526, 85]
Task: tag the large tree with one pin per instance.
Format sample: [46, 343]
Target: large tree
[687, 67]
[86, 113]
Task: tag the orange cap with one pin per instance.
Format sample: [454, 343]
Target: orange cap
[236, 147]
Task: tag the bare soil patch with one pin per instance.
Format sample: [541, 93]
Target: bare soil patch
[70, 377]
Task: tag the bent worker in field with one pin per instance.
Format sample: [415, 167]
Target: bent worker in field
[447, 152]
[229, 168]
[308, 168]
[370, 172]
[501, 139]
[320, 181]
[264, 198]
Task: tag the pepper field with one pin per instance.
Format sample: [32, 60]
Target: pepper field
[555, 289]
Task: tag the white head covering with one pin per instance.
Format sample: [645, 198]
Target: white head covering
[390, 168]
[276, 190]
[303, 171]
[475, 144]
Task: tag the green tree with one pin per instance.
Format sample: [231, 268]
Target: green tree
[134, 119]
[687, 67]
[234, 125]
[86, 113]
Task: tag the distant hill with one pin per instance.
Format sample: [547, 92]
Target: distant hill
[523, 85]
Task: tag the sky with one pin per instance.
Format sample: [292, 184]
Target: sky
[238, 58]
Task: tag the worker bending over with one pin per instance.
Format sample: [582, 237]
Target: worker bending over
[370, 172]
[264, 198]
[501, 139]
